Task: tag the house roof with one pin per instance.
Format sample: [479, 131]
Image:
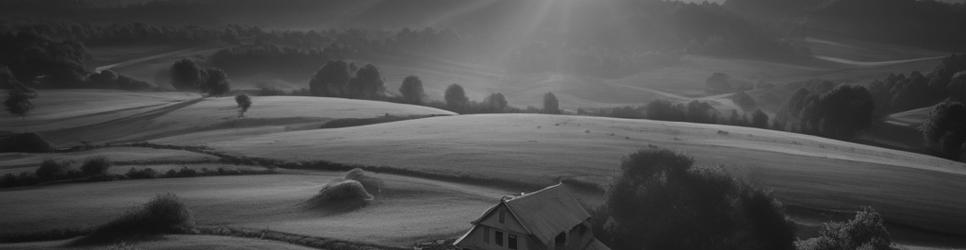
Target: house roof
[547, 212]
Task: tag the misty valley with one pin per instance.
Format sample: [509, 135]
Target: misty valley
[483, 124]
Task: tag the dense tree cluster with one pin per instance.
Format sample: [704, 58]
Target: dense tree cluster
[286, 62]
[744, 101]
[30, 59]
[865, 231]
[412, 90]
[839, 113]
[550, 104]
[34, 58]
[455, 97]
[660, 201]
[945, 130]
[612, 46]
[344, 79]
[693, 111]
[108, 79]
[899, 92]
[930, 24]
[187, 75]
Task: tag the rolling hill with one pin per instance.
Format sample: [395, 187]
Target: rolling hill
[407, 210]
[909, 189]
[70, 117]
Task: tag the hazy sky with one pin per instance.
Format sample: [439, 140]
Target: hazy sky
[722, 1]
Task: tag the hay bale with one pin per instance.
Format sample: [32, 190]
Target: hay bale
[372, 184]
[342, 190]
[165, 214]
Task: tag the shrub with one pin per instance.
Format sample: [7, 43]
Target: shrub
[943, 131]
[341, 190]
[864, 231]
[51, 170]
[25, 143]
[165, 214]
[660, 202]
[146, 173]
[95, 166]
[9, 180]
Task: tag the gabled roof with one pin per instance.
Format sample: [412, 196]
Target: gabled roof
[547, 212]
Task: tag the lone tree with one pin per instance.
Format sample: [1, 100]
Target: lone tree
[456, 98]
[412, 90]
[18, 101]
[331, 80]
[659, 201]
[216, 82]
[186, 75]
[550, 104]
[367, 83]
[945, 130]
[495, 102]
[244, 102]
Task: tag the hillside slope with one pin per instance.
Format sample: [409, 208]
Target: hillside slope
[910, 189]
[267, 114]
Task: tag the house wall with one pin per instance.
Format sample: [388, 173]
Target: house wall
[490, 224]
[576, 238]
[483, 237]
[509, 222]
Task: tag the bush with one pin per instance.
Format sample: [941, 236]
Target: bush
[341, 190]
[146, 173]
[864, 231]
[165, 214]
[95, 166]
[660, 202]
[24, 143]
[51, 170]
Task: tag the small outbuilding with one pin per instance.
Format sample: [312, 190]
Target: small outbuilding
[548, 219]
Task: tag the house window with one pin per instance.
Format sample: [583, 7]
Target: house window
[486, 235]
[498, 238]
[511, 241]
[502, 216]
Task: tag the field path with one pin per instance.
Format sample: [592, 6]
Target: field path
[176, 53]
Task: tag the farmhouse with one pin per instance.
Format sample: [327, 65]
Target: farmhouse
[548, 219]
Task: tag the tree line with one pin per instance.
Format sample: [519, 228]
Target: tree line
[29, 59]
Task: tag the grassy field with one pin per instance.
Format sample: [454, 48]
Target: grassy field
[911, 189]
[68, 108]
[220, 116]
[19, 162]
[406, 211]
[179, 242]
